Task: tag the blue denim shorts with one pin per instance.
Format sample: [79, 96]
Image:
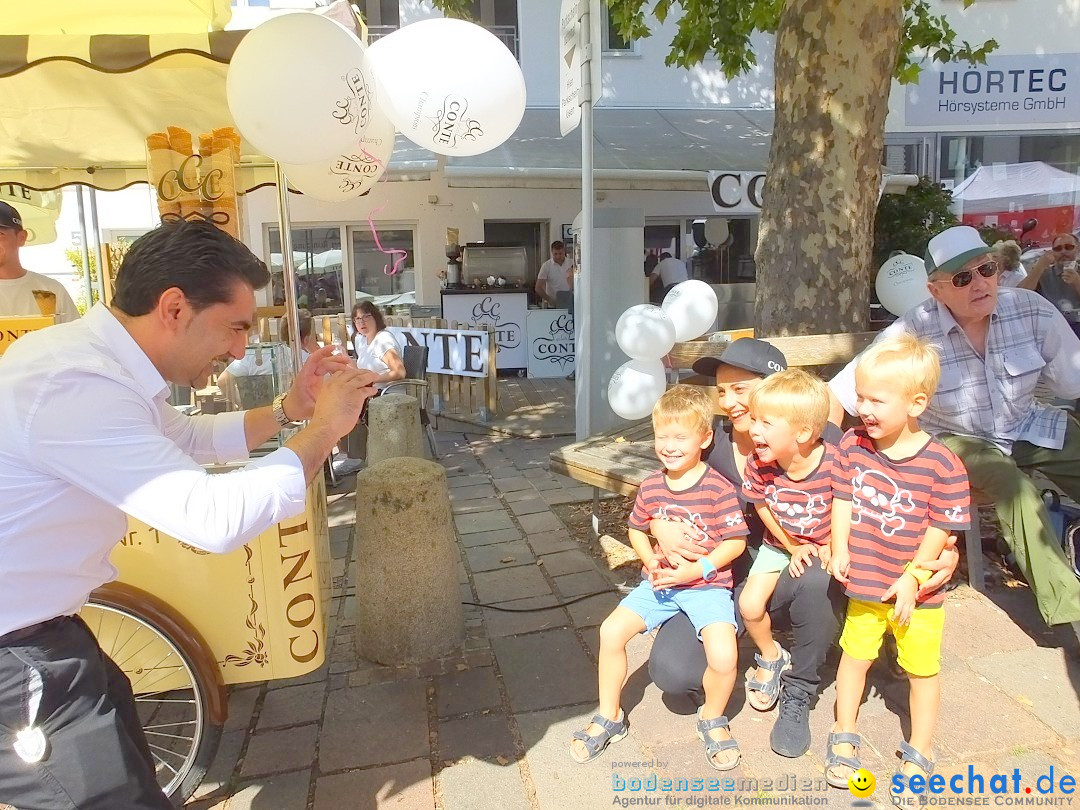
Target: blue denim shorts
[703, 605]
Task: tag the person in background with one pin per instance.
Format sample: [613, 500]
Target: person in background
[1012, 272]
[258, 362]
[1057, 279]
[376, 348]
[555, 274]
[23, 292]
[669, 272]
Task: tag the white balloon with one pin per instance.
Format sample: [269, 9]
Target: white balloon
[450, 86]
[296, 88]
[692, 307]
[645, 332]
[716, 231]
[901, 283]
[635, 387]
[349, 174]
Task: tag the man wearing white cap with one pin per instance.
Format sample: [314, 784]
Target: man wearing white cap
[996, 344]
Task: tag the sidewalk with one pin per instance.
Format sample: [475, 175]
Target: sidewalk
[489, 728]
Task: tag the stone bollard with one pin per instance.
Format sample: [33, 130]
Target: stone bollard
[408, 603]
[394, 428]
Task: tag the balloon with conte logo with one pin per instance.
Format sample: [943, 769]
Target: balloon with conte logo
[692, 307]
[901, 283]
[314, 63]
[635, 387]
[351, 173]
[645, 332]
[450, 86]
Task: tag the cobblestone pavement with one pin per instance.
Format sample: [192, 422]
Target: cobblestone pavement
[488, 728]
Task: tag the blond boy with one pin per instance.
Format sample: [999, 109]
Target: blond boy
[690, 491]
[898, 493]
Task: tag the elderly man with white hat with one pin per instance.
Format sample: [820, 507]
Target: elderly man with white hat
[996, 344]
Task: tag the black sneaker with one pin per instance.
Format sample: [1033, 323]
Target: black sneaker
[790, 735]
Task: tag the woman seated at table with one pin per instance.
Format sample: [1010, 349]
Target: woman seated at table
[376, 348]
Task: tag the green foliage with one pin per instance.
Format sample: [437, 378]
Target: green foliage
[906, 222]
[75, 256]
[992, 235]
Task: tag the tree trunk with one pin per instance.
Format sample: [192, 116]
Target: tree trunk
[834, 66]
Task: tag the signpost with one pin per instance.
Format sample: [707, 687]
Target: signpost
[571, 51]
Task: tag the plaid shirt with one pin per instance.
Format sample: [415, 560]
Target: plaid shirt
[993, 398]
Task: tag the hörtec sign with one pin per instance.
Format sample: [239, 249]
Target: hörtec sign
[1008, 89]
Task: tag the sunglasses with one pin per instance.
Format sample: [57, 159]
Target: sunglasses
[1059, 248]
[965, 277]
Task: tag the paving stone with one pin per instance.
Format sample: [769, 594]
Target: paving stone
[591, 612]
[550, 542]
[292, 706]
[582, 583]
[373, 725]
[459, 481]
[1038, 679]
[483, 522]
[547, 736]
[556, 497]
[284, 791]
[281, 750]
[567, 562]
[220, 772]
[540, 522]
[502, 623]
[490, 558]
[511, 583]
[241, 707]
[538, 472]
[514, 484]
[473, 784]
[971, 621]
[545, 484]
[484, 736]
[472, 493]
[534, 687]
[521, 495]
[509, 471]
[487, 538]
[469, 507]
[468, 691]
[527, 506]
[404, 786]
[682, 759]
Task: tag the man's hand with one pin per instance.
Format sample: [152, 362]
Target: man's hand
[677, 545]
[340, 400]
[839, 565]
[943, 567]
[800, 558]
[682, 574]
[300, 402]
[1071, 277]
[904, 590]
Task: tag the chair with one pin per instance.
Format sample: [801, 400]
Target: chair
[415, 384]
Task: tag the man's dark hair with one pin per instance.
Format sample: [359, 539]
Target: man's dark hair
[202, 261]
[665, 255]
[558, 245]
[368, 308]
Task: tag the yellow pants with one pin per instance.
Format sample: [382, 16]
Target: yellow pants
[918, 643]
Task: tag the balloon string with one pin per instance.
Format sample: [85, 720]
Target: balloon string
[388, 269]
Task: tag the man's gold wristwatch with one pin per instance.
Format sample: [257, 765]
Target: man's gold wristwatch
[922, 576]
[279, 410]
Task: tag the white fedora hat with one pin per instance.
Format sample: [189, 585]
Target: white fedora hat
[954, 247]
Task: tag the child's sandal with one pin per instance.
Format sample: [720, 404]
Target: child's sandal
[769, 689]
[833, 759]
[714, 747]
[909, 754]
[614, 730]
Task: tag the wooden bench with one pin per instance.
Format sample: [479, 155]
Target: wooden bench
[619, 460]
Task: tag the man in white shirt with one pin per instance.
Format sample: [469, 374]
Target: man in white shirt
[554, 275]
[669, 271]
[86, 435]
[996, 345]
[23, 292]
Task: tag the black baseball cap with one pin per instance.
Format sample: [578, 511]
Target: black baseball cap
[749, 354]
[9, 217]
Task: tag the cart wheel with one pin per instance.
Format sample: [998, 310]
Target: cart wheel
[171, 693]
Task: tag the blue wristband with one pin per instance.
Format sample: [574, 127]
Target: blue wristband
[708, 570]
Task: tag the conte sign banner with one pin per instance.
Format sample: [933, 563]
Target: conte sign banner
[463, 352]
[737, 192]
[1008, 89]
[13, 328]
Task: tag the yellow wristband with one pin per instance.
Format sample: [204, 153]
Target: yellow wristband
[921, 574]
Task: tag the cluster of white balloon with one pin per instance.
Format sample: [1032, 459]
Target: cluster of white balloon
[304, 90]
[646, 333]
[901, 283]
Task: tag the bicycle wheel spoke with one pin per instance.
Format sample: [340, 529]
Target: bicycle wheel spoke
[169, 736]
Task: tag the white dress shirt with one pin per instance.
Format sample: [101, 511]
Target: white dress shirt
[370, 355]
[85, 436]
[992, 397]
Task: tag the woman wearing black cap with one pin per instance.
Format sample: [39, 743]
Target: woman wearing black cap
[813, 600]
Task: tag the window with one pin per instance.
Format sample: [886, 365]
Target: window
[317, 259]
[614, 42]
[370, 265]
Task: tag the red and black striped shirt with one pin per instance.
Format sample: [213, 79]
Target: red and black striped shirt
[803, 507]
[893, 502]
[711, 507]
